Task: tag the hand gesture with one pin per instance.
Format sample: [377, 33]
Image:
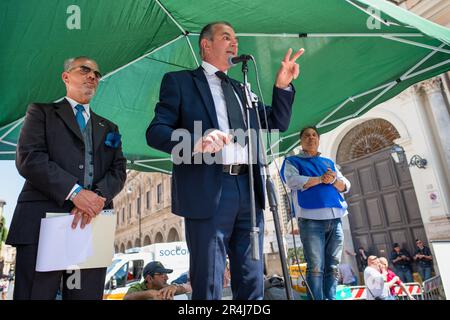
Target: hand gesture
[212, 142]
[289, 70]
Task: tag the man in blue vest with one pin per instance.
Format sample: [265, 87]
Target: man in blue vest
[316, 185]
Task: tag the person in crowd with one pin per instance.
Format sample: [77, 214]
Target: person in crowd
[377, 288]
[347, 275]
[424, 259]
[317, 186]
[401, 260]
[392, 279]
[4, 287]
[361, 257]
[154, 285]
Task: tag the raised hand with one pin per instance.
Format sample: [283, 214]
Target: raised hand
[289, 69]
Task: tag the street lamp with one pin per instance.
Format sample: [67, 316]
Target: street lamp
[398, 154]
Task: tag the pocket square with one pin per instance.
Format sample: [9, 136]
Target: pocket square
[113, 140]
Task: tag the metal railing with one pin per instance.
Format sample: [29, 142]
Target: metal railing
[433, 289]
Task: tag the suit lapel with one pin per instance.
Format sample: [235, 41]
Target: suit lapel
[98, 130]
[205, 93]
[64, 110]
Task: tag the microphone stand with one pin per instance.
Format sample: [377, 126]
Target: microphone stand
[271, 195]
[254, 233]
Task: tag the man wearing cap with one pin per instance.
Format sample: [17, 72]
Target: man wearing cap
[154, 286]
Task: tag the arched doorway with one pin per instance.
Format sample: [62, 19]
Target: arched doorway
[137, 243]
[122, 248]
[159, 238]
[129, 245]
[383, 207]
[173, 235]
[147, 241]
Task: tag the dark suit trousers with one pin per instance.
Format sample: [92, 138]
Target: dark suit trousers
[86, 284]
[226, 232]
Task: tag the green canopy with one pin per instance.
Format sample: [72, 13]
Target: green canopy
[359, 53]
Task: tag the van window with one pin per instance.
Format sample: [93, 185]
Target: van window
[129, 273]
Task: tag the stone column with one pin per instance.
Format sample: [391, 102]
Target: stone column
[438, 113]
[434, 112]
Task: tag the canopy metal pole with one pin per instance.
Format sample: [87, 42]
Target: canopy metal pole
[427, 69]
[405, 76]
[152, 160]
[141, 57]
[13, 126]
[417, 44]
[328, 35]
[150, 167]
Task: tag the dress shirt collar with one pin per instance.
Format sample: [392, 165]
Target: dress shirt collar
[74, 103]
[210, 69]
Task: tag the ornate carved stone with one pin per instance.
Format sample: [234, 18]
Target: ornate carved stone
[429, 86]
[366, 138]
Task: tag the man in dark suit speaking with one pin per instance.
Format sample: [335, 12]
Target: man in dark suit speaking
[72, 161]
[214, 197]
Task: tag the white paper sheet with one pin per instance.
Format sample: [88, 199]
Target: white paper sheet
[63, 248]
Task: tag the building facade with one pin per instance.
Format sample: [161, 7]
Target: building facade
[143, 212]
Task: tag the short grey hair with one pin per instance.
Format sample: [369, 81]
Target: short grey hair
[207, 33]
[68, 62]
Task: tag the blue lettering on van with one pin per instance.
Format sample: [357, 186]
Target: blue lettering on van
[173, 252]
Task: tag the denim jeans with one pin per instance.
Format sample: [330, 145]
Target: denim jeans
[425, 273]
[322, 246]
[404, 273]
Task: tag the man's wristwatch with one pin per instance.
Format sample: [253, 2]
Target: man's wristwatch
[75, 193]
[335, 179]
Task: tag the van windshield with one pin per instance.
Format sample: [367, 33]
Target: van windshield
[113, 264]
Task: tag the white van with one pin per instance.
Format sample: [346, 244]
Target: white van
[126, 268]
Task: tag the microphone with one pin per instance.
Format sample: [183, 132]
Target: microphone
[238, 59]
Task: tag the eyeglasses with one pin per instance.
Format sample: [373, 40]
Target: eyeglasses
[86, 70]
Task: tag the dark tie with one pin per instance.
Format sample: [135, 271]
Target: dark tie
[233, 107]
[79, 117]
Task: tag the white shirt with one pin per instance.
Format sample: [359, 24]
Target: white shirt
[233, 152]
[86, 112]
[375, 283]
[86, 115]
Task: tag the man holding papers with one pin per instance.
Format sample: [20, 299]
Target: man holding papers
[72, 161]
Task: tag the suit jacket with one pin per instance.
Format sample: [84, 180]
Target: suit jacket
[185, 97]
[50, 156]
